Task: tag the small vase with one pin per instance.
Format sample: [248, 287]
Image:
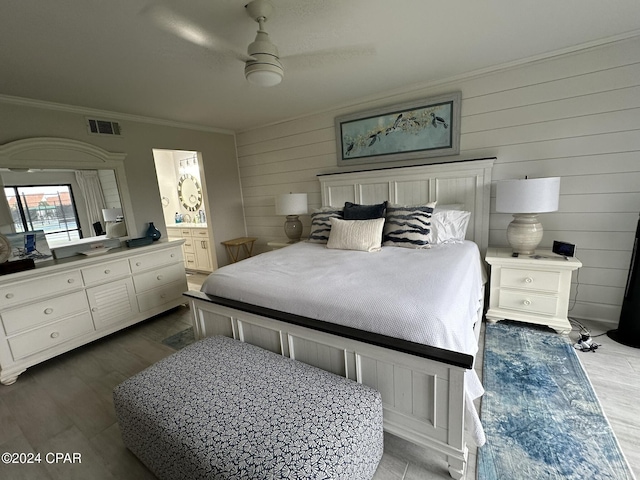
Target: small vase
[153, 232]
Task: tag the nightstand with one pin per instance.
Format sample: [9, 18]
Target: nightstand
[530, 288]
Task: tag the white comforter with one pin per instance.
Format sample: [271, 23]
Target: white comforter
[429, 296]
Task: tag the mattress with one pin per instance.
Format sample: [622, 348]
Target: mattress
[428, 296]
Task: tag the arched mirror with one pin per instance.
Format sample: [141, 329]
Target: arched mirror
[46, 159]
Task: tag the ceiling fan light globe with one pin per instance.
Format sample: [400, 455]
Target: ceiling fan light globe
[263, 74]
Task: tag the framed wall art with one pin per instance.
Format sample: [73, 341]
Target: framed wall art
[421, 129]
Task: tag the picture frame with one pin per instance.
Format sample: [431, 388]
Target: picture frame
[420, 129]
[29, 245]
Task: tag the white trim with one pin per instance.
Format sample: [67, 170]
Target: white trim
[61, 107]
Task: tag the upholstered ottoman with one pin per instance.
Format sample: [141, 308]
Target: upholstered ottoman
[223, 409]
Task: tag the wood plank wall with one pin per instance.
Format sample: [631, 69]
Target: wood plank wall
[576, 116]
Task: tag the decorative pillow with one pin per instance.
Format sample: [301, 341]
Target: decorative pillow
[408, 226]
[363, 235]
[320, 225]
[353, 211]
[449, 226]
[116, 229]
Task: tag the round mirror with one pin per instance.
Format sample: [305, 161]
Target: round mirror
[189, 192]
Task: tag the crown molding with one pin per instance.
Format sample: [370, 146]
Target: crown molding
[61, 107]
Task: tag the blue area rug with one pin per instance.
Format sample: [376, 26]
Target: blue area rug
[540, 413]
[180, 339]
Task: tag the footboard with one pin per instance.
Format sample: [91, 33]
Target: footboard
[424, 399]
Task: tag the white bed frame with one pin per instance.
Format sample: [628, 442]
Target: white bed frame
[423, 388]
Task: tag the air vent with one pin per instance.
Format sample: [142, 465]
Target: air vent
[103, 127]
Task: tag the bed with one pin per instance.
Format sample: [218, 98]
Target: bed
[421, 360]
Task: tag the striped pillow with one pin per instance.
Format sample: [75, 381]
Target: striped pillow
[408, 226]
[321, 223]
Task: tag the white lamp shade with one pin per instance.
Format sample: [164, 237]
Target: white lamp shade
[532, 195]
[291, 204]
[112, 214]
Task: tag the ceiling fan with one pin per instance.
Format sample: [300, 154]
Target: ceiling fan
[263, 64]
[264, 67]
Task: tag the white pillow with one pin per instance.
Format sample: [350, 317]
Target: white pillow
[449, 206]
[449, 226]
[363, 235]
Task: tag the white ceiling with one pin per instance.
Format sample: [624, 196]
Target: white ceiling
[119, 55]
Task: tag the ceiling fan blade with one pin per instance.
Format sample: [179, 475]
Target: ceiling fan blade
[178, 25]
[329, 56]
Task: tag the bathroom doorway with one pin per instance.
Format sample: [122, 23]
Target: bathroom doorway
[184, 206]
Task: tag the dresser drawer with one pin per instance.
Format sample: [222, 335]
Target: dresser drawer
[526, 302]
[530, 279]
[161, 276]
[23, 318]
[148, 261]
[20, 292]
[50, 335]
[105, 272]
[162, 295]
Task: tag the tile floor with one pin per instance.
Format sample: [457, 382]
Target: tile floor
[65, 405]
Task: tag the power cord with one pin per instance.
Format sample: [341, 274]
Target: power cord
[585, 342]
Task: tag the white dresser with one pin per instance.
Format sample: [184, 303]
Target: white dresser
[67, 303]
[533, 289]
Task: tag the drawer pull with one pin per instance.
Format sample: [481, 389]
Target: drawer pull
[71, 280]
[173, 255]
[159, 277]
[526, 303]
[9, 295]
[48, 311]
[528, 280]
[54, 334]
[107, 271]
[138, 264]
[164, 295]
[94, 309]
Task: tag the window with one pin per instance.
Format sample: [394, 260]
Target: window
[45, 207]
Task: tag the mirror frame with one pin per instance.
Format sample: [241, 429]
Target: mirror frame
[63, 153]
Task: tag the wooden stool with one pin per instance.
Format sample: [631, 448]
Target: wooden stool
[233, 247]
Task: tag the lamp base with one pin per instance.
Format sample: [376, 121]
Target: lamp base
[293, 228]
[524, 233]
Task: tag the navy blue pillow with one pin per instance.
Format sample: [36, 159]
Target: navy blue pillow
[353, 211]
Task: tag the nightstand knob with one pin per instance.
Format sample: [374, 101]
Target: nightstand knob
[159, 277]
[528, 280]
[138, 264]
[9, 295]
[71, 280]
[48, 311]
[107, 271]
[526, 303]
[54, 335]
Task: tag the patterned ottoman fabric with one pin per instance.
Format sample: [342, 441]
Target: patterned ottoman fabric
[223, 409]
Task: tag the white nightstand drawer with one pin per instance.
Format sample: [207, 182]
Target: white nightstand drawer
[105, 272]
[157, 278]
[49, 336]
[527, 302]
[151, 260]
[160, 296]
[21, 292]
[530, 279]
[23, 318]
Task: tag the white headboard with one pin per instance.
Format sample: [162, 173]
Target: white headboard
[465, 182]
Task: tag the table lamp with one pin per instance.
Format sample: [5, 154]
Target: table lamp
[525, 199]
[292, 205]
